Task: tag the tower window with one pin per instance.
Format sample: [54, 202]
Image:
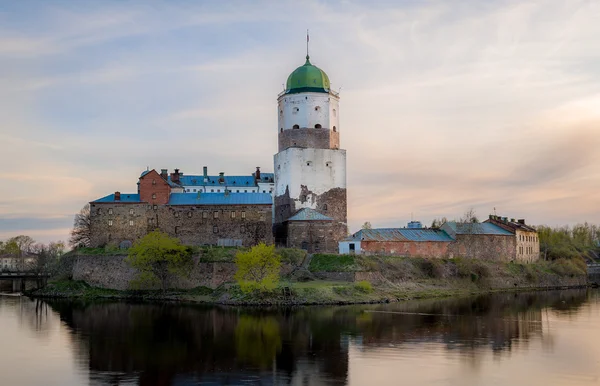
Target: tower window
[295, 110]
[317, 108]
[334, 129]
[280, 112]
[130, 223]
[110, 223]
[281, 130]
[324, 206]
[317, 126]
[296, 127]
[130, 211]
[110, 211]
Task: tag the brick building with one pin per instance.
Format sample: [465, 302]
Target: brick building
[480, 240]
[488, 241]
[398, 242]
[527, 246]
[196, 218]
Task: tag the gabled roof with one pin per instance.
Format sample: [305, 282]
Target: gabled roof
[400, 234]
[510, 226]
[220, 199]
[125, 197]
[308, 214]
[474, 229]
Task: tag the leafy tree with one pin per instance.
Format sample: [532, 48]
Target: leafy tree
[366, 225]
[157, 256]
[258, 268]
[82, 228]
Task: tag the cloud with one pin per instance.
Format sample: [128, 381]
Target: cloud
[444, 106]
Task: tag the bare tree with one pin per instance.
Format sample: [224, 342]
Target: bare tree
[366, 225]
[82, 232]
[470, 226]
[438, 222]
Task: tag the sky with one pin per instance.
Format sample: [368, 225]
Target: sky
[445, 105]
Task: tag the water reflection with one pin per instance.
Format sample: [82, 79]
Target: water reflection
[171, 344]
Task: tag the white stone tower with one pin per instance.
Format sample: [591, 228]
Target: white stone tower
[310, 167]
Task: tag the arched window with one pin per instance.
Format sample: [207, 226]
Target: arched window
[296, 127]
[317, 126]
[281, 130]
[334, 129]
[324, 206]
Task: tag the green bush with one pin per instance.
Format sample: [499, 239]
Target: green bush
[258, 269]
[292, 256]
[363, 286]
[431, 268]
[212, 254]
[333, 263]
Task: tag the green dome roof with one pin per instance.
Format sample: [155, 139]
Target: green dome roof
[307, 78]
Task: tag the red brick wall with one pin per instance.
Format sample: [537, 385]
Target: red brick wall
[153, 185]
[406, 248]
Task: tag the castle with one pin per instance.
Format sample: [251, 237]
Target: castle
[301, 205]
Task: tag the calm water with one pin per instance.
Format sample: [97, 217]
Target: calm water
[546, 338]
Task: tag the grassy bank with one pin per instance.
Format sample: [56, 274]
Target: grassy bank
[375, 279]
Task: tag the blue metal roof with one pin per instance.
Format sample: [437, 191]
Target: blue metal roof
[400, 234]
[308, 214]
[476, 228]
[125, 197]
[220, 199]
[214, 181]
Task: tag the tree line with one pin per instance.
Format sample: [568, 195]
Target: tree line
[581, 240]
[30, 254]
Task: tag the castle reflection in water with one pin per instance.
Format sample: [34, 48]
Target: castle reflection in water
[170, 344]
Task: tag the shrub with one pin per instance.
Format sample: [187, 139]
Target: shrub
[157, 256]
[292, 256]
[258, 268]
[364, 286]
[432, 268]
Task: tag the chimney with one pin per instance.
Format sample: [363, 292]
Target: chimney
[512, 220]
[491, 217]
[117, 196]
[221, 177]
[205, 169]
[257, 174]
[164, 173]
[175, 176]
[522, 221]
